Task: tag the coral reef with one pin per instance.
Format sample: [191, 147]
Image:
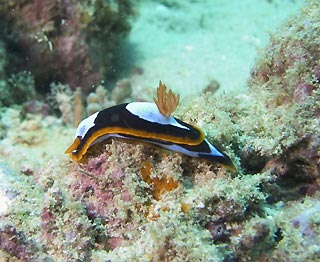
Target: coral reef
[69, 103]
[122, 91]
[15, 244]
[102, 98]
[132, 202]
[61, 220]
[98, 100]
[78, 110]
[63, 96]
[72, 42]
[18, 88]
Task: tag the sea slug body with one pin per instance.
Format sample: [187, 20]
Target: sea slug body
[143, 121]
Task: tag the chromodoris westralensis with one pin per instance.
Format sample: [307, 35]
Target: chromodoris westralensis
[147, 122]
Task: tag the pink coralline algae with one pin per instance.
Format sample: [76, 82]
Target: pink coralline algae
[62, 227]
[54, 40]
[102, 191]
[291, 61]
[296, 173]
[254, 244]
[303, 222]
[16, 244]
[95, 190]
[289, 71]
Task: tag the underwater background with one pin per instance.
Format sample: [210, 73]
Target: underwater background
[248, 74]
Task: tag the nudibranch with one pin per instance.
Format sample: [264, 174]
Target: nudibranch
[146, 122]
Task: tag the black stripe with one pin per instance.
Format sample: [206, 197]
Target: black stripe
[119, 116]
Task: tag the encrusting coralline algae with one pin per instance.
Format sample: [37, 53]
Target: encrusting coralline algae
[131, 202]
[73, 42]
